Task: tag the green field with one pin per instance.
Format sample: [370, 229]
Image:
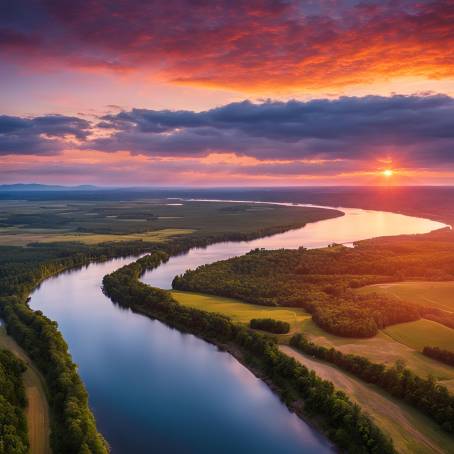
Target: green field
[411, 431]
[239, 311]
[27, 236]
[422, 333]
[435, 294]
[382, 348]
[91, 222]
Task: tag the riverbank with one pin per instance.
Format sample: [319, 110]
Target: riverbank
[176, 247]
[37, 412]
[411, 431]
[338, 418]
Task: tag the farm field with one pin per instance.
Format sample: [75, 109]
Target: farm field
[239, 311]
[420, 333]
[383, 349]
[37, 412]
[411, 431]
[435, 294]
[23, 237]
[91, 222]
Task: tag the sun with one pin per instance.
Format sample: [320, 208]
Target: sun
[388, 173]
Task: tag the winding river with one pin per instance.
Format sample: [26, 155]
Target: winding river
[154, 389]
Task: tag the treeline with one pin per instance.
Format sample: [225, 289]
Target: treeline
[445, 356]
[276, 278]
[270, 325]
[323, 282]
[341, 419]
[425, 394]
[73, 428]
[13, 425]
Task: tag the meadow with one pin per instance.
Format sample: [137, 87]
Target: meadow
[92, 222]
[239, 311]
[412, 432]
[422, 333]
[385, 349]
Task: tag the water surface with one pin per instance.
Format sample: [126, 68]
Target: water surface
[154, 389]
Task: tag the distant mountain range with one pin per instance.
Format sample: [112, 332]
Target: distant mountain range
[44, 187]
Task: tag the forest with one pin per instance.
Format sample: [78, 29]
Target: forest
[341, 419]
[323, 281]
[424, 394]
[13, 425]
[445, 356]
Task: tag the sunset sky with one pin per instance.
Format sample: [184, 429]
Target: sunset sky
[226, 93]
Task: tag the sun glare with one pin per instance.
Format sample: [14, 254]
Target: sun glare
[388, 173]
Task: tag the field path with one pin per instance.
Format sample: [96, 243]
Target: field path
[411, 432]
[37, 411]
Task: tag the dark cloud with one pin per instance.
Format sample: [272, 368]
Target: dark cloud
[237, 43]
[39, 135]
[348, 127]
[412, 130]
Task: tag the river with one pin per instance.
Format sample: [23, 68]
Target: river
[154, 389]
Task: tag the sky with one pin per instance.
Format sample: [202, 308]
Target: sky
[227, 93]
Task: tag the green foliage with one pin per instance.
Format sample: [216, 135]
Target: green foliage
[299, 278]
[270, 325]
[13, 425]
[73, 423]
[422, 393]
[445, 356]
[342, 420]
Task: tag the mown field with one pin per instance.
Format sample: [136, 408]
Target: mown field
[422, 333]
[382, 348]
[239, 311]
[411, 431]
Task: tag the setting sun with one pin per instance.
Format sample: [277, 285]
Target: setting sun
[388, 173]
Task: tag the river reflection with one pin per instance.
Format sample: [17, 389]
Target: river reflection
[355, 225]
[154, 389]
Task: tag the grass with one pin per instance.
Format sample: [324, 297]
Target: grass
[37, 411]
[22, 238]
[421, 333]
[23, 222]
[239, 311]
[410, 430]
[385, 349]
[435, 294]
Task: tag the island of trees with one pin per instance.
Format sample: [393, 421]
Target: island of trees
[270, 325]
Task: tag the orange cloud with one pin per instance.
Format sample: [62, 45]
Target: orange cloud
[254, 46]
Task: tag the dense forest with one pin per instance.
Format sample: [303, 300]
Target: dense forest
[323, 281]
[341, 419]
[13, 425]
[445, 356]
[270, 325]
[424, 394]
